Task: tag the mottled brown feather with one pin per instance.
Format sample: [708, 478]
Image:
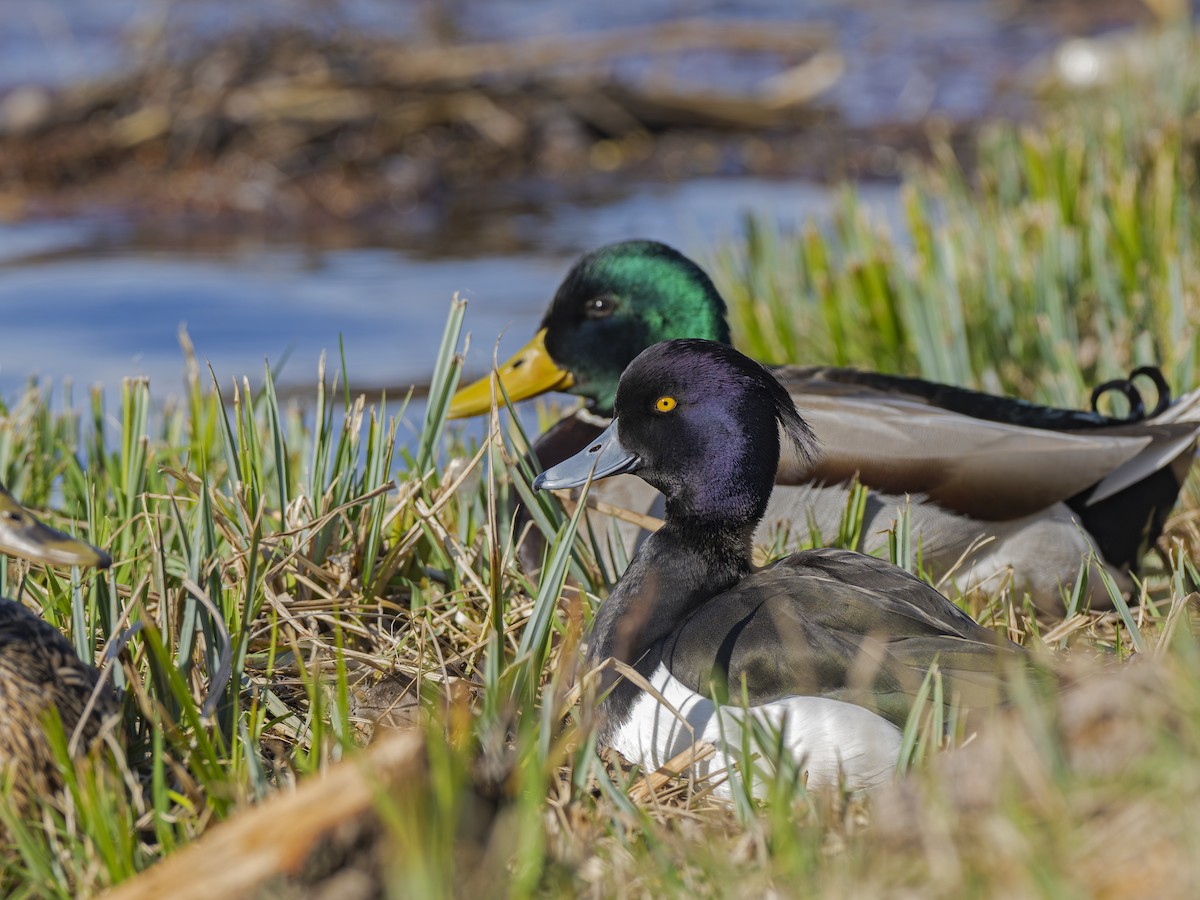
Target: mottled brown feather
[39, 672]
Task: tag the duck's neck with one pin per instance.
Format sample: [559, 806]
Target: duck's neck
[677, 569]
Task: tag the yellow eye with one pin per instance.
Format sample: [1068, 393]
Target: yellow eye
[664, 404]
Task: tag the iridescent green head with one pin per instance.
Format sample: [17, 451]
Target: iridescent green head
[614, 303]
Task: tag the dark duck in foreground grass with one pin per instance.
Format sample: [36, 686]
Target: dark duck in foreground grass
[829, 648]
[40, 674]
[997, 485]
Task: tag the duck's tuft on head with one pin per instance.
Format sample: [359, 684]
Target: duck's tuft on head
[700, 417]
[716, 376]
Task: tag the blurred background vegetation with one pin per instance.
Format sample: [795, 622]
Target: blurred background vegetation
[279, 172]
[1001, 195]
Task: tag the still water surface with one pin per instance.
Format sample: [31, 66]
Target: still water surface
[84, 300]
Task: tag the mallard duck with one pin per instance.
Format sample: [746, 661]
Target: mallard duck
[829, 647]
[39, 670]
[994, 487]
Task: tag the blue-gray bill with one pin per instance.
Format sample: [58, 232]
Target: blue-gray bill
[601, 458]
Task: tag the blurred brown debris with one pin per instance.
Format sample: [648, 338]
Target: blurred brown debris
[280, 121]
[280, 836]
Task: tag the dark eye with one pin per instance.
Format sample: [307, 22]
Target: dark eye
[599, 307]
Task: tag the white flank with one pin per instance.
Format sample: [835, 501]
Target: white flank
[833, 742]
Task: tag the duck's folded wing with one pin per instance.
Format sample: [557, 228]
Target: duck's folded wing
[964, 401]
[841, 625]
[985, 469]
[1175, 433]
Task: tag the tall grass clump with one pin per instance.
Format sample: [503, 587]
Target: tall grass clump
[1064, 254]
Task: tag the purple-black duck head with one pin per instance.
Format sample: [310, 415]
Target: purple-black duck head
[699, 421]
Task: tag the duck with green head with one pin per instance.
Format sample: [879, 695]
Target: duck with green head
[825, 649]
[996, 488]
[40, 674]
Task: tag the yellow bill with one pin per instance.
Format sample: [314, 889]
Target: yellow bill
[22, 534]
[528, 373]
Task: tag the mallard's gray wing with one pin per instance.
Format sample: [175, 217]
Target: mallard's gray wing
[967, 402]
[838, 624]
[985, 469]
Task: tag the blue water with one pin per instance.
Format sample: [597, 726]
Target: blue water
[903, 58]
[83, 300]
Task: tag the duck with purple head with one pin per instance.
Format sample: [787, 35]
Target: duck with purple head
[995, 488]
[827, 647]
